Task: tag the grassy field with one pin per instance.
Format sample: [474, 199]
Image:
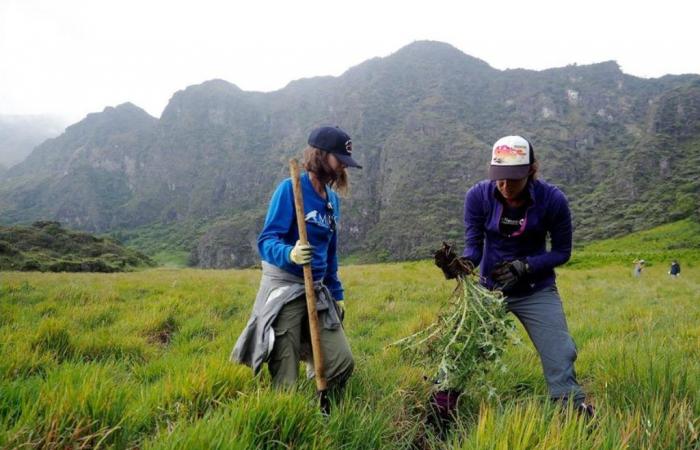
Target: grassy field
[141, 360]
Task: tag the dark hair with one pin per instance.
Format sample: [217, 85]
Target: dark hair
[316, 162]
[534, 168]
[534, 163]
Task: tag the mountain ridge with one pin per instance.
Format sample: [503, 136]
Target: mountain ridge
[422, 119]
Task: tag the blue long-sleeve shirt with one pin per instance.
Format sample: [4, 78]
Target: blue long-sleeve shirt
[485, 244]
[280, 232]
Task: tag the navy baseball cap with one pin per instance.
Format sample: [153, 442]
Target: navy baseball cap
[336, 141]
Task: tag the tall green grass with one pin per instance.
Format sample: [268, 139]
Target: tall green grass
[140, 360]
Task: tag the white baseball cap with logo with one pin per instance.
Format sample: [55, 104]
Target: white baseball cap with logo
[511, 158]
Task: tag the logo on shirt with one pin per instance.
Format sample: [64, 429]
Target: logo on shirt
[319, 219]
[512, 222]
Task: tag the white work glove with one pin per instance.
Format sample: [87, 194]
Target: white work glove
[301, 253]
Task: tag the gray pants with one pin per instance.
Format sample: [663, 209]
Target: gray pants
[291, 329]
[542, 315]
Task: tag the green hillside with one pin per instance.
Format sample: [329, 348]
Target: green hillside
[660, 245]
[47, 247]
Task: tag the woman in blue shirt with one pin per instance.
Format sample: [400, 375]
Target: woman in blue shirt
[278, 329]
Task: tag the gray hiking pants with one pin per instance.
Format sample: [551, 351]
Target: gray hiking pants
[291, 329]
[542, 315]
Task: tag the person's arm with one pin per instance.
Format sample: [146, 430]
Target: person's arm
[475, 225]
[560, 232]
[331, 279]
[278, 222]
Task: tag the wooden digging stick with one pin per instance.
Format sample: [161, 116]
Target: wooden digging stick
[314, 330]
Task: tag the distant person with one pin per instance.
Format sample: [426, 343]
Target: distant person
[675, 270]
[638, 267]
[278, 330]
[507, 220]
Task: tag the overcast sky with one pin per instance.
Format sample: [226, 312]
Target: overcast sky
[72, 57]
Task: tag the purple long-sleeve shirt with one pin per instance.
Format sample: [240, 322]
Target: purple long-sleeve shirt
[486, 246]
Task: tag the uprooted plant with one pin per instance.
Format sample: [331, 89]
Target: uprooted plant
[468, 338]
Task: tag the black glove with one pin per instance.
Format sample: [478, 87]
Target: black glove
[508, 273]
[452, 265]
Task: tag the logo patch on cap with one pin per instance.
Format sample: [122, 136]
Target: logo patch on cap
[348, 146]
[504, 154]
[511, 151]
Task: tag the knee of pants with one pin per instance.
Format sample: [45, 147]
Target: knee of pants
[558, 356]
[562, 347]
[350, 366]
[571, 351]
[287, 344]
[343, 366]
[565, 353]
[284, 359]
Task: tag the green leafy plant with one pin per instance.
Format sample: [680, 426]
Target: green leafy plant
[467, 340]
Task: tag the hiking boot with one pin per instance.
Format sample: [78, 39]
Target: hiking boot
[442, 407]
[585, 410]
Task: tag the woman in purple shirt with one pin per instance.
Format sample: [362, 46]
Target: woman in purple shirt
[507, 220]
